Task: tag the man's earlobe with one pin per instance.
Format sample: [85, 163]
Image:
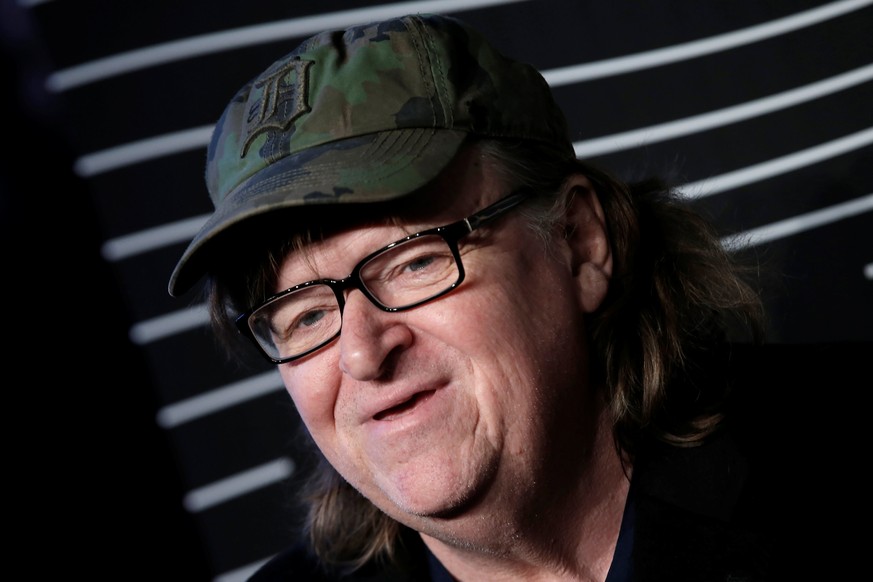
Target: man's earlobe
[588, 240]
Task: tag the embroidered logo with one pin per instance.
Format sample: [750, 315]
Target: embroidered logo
[283, 98]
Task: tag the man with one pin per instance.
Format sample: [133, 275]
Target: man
[502, 353]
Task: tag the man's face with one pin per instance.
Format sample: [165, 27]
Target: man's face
[462, 402]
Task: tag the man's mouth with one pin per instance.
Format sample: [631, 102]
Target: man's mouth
[404, 406]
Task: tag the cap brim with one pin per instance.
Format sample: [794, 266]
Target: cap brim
[371, 168]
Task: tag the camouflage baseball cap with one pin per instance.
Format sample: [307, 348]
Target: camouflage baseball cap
[367, 114]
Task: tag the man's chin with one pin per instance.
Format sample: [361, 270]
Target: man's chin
[435, 503]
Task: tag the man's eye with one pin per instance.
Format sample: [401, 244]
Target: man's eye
[310, 318]
[421, 263]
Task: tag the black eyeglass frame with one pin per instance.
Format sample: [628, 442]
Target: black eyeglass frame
[451, 233]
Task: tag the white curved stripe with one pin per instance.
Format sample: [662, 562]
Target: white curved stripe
[147, 149]
[163, 326]
[697, 123]
[868, 270]
[142, 150]
[777, 166]
[798, 224]
[178, 413]
[697, 48]
[129, 245]
[126, 62]
[237, 485]
[241, 574]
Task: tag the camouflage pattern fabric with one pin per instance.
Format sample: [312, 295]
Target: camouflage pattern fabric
[367, 114]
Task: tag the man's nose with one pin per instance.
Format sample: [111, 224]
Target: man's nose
[369, 338]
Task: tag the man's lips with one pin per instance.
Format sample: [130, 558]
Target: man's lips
[408, 404]
[387, 404]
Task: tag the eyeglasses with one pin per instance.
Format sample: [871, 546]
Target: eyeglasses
[404, 274]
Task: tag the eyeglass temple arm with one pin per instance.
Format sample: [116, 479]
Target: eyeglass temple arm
[489, 213]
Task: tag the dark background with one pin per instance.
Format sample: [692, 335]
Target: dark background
[105, 357]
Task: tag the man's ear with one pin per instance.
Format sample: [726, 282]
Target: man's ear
[588, 243]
